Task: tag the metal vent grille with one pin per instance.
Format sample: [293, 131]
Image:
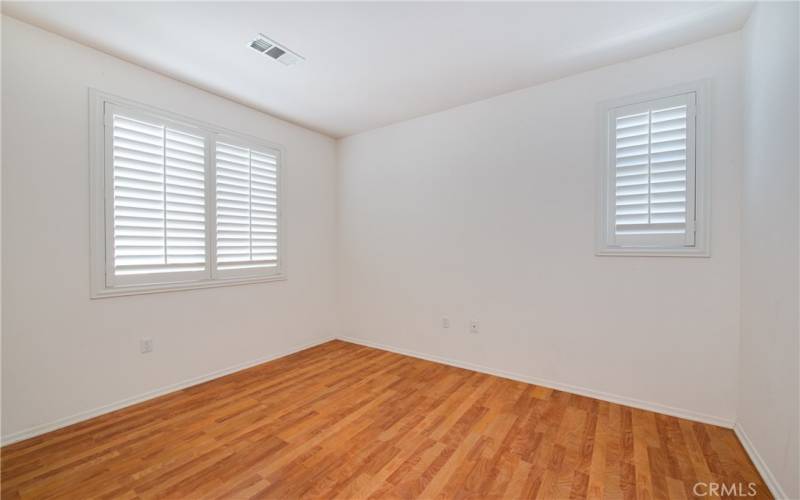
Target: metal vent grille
[261, 45]
[275, 52]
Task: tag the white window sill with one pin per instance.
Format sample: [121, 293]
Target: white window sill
[651, 252]
[174, 287]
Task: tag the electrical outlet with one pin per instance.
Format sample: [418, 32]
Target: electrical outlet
[473, 326]
[146, 346]
[445, 322]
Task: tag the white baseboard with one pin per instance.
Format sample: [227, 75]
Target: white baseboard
[85, 415]
[761, 465]
[582, 391]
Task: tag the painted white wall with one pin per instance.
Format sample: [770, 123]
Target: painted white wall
[770, 316]
[63, 353]
[487, 212]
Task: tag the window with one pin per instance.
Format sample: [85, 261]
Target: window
[653, 189]
[179, 204]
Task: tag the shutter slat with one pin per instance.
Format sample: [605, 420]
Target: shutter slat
[672, 207]
[632, 161]
[235, 184]
[225, 175]
[632, 180]
[139, 155]
[183, 190]
[232, 162]
[669, 135]
[633, 208]
[671, 114]
[651, 228]
[675, 166]
[129, 143]
[194, 169]
[637, 120]
[668, 147]
[148, 173]
[222, 203]
[672, 176]
[263, 177]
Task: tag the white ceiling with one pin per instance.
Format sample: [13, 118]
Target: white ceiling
[372, 64]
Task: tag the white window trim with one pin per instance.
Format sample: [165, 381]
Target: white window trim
[701, 247]
[98, 173]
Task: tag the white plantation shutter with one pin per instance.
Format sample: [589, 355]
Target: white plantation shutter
[179, 204]
[247, 234]
[158, 200]
[652, 161]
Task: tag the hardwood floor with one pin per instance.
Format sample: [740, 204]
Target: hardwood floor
[344, 421]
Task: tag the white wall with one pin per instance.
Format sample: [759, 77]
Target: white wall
[769, 376]
[64, 354]
[487, 211]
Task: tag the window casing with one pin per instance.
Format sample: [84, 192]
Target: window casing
[180, 204]
[654, 182]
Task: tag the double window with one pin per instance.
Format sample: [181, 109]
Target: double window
[180, 204]
[654, 180]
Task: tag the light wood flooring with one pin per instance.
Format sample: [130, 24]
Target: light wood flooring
[345, 421]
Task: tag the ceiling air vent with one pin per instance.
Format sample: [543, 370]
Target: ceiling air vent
[274, 50]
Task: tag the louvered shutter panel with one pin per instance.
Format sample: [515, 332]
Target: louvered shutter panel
[247, 208]
[653, 173]
[158, 176]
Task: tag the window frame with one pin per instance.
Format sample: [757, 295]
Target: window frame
[102, 280]
[605, 244]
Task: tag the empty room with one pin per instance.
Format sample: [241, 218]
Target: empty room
[419, 250]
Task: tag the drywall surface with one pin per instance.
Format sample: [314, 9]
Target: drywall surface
[487, 212]
[769, 376]
[65, 355]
